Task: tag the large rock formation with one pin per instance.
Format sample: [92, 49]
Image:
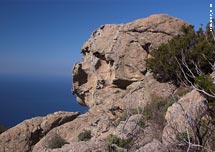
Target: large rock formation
[114, 57]
[113, 81]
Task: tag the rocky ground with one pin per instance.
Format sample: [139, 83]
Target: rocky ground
[129, 109]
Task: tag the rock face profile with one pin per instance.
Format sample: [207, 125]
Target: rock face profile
[114, 56]
[122, 96]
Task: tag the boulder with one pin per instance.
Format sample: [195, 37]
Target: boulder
[154, 146]
[129, 129]
[98, 123]
[25, 135]
[181, 115]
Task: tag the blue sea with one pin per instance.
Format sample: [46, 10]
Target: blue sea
[23, 98]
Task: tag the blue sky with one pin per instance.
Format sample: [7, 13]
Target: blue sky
[40, 38]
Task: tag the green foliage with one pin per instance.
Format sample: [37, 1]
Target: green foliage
[205, 82]
[85, 136]
[113, 139]
[188, 59]
[196, 49]
[56, 142]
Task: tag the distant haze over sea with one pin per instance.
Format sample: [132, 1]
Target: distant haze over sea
[24, 97]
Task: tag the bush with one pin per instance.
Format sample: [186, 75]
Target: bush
[205, 82]
[185, 59]
[56, 142]
[113, 139]
[196, 49]
[85, 136]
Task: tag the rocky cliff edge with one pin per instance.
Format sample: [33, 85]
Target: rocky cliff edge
[113, 81]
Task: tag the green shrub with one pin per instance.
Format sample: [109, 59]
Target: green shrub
[188, 59]
[195, 48]
[56, 142]
[205, 82]
[113, 139]
[85, 136]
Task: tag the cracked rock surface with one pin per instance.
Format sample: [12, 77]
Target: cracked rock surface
[114, 56]
[25, 135]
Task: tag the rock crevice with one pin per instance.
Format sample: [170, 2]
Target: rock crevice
[115, 55]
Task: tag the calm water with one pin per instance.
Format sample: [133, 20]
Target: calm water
[23, 98]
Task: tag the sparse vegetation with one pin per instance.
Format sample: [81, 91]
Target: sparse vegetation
[182, 137]
[113, 139]
[188, 60]
[205, 82]
[157, 109]
[85, 135]
[56, 142]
